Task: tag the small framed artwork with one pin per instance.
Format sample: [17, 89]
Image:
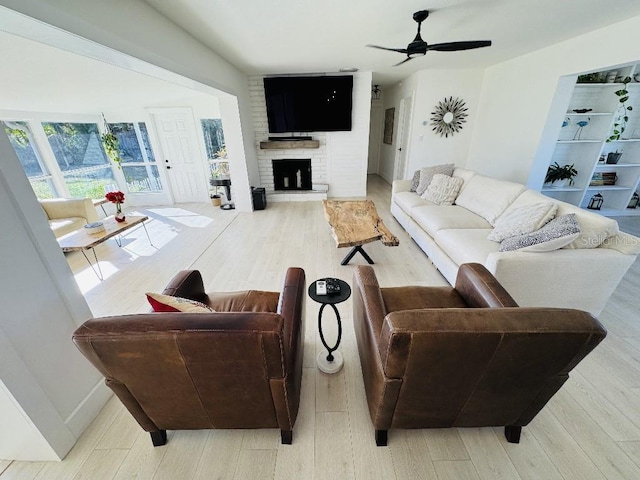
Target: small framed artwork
[388, 126]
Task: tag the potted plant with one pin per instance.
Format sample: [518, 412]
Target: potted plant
[558, 176]
[623, 112]
[216, 200]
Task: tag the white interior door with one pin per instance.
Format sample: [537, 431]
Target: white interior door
[183, 157]
[404, 121]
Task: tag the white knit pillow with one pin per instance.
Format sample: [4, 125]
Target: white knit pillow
[523, 220]
[426, 175]
[443, 189]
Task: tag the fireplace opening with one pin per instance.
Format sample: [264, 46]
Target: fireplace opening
[291, 174]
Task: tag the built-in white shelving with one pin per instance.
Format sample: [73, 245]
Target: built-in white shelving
[582, 142]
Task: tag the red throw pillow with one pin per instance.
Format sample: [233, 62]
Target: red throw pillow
[168, 303]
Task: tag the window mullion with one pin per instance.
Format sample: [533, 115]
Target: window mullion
[48, 158]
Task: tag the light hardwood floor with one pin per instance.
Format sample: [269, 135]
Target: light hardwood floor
[589, 430]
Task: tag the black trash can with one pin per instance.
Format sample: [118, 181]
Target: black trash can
[259, 198]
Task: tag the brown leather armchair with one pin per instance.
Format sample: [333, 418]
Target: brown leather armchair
[462, 357]
[240, 367]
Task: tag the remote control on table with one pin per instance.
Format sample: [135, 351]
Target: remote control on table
[321, 287]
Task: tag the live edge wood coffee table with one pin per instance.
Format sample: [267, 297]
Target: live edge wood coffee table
[354, 223]
[82, 240]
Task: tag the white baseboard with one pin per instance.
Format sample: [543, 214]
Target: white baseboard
[89, 408]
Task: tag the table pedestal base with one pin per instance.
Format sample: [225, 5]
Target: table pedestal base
[353, 251]
[325, 366]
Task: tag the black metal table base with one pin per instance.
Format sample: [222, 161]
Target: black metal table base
[354, 250]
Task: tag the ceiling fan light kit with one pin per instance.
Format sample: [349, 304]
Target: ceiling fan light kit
[418, 47]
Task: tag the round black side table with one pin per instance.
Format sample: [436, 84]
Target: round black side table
[330, 360]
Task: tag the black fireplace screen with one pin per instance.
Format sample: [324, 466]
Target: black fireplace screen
[292, 174]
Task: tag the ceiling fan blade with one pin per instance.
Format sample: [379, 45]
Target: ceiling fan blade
[403, 61]
[455, 46]
[399, 50]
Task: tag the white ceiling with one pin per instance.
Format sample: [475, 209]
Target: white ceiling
[303, 36]
[299, 36]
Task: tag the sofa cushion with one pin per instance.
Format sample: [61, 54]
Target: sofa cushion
[443, 189]
[434, 218]
[556, 234]
[427, 173]
[408, 200]
[594, 228]
[464, 174]
[169, 303]
[528, 197]
[466, 245]
[488, 197]
[523, 220]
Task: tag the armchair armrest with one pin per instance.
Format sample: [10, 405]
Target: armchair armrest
[186, 284]
[480, 289]
[291, 307]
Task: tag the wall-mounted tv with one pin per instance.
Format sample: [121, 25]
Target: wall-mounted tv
[309, 104]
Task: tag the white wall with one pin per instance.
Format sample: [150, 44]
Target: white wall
[517, 97]
[341, 160]
[425, 147]
[40, 367]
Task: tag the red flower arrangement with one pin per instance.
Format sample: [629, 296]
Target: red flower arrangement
[118, 199]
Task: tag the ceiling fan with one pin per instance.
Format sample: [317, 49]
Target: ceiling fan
[419, 47]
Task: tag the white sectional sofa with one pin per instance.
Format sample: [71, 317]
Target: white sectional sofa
[581, 275]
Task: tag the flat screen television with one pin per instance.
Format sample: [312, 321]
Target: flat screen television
[309, 104]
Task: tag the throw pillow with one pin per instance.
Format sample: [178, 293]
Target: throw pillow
[523, 220]
[443, 190]
[426, 175]
[556, 234]
[168, 303]
[415, 181]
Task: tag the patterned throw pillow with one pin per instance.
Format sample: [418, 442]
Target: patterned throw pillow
[168, 303]
[559, 232]
[443, 189]
[426, 175]
[415, 181]
[523, 220]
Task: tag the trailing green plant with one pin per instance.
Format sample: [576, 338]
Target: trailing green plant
[623, 112]
[557, 172]
[112, 147]
[111, 144]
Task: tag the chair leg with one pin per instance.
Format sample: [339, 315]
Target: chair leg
[512, 434]
[381, 438]
[286, 436]
[159, 438]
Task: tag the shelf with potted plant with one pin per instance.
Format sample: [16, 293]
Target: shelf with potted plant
[600, 120]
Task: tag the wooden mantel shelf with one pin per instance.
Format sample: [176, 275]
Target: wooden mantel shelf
[289, 144]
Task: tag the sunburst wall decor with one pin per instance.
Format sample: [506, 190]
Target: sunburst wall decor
[449, 116]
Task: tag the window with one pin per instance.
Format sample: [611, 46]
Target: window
[216, 149]
[22, 141]
[84, 165]
[138, 162]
